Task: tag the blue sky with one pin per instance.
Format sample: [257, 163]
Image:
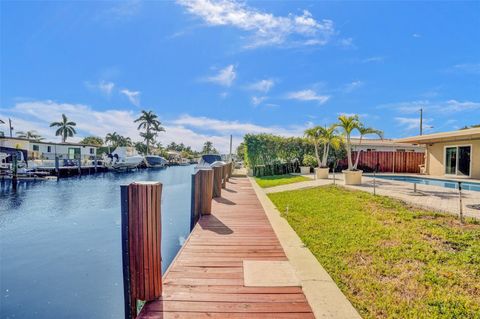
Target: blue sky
[214, 68]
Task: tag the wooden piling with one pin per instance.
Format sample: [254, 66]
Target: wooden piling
[217, 181]
[141, 243]
[224, 176]
[202, 193]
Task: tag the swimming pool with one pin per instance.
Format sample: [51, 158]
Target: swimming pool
[435, 182]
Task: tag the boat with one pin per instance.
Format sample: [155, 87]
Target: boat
[123, 158]
[154, 161]
[184, 162]
[210, 160]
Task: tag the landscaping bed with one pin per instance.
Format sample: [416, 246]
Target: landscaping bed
[276, 180]
[389, 259]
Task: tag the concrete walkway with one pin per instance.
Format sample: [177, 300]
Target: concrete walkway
[428, 197]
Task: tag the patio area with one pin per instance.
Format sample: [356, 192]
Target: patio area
[430, 197]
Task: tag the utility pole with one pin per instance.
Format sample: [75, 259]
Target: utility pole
[230, 148]
[421, 121]
[10, 126]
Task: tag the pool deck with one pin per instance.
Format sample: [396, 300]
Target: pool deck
[206, 279]
[429, 197]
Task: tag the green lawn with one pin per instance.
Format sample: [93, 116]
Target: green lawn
[390, 260]
[270, 181]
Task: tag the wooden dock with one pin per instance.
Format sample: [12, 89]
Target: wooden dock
[206, 278]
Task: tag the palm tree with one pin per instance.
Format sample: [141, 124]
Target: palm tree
[329, 138]
[348, 124]
[30, 135]
[65, 128]
[150, 123]
[365, 131]
[313, 134]
[112, 139]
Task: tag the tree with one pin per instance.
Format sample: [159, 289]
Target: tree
[92, 140]
[65, 129]
[348, 124]
[241, 151]
[330, 139]
[31, 135]
[112, 139]
[313, 135]
[152, 126]
[365, 131]
[208, 148]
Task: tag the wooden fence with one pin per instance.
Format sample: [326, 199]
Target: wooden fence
[142, 228]
[387, 162]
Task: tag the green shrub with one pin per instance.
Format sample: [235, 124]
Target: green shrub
[310, 160]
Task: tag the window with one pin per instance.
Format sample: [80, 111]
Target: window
[92, 150]
[49, 149]
[458, 160]
[36, 148]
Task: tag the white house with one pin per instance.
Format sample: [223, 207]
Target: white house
[385, 145]
[49, 150]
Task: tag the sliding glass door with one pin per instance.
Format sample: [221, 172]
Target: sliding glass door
[457, 160]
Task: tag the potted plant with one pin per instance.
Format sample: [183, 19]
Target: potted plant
[352, 175]
[328, 137]
[309, 161]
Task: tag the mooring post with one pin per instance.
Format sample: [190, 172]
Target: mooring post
[202, 193]
[14, 171]
[224, 176]
[460, 201]
[141, 243]
[217, 181]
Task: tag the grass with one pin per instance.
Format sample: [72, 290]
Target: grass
[389, 259]
[276, 180]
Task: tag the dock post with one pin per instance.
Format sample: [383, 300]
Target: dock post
[141, 243]
[217, 181]
[224, 176]
[14, 171]
[202, 193]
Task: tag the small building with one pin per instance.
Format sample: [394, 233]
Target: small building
[450, 154]
[41, 150]
[385, 145]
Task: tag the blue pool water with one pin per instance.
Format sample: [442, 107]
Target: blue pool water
[60, 242]
[436, 182]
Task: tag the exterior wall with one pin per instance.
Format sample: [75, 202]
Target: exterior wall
[435, 158]
[12, 143]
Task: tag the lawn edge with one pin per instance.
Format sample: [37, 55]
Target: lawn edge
[323, 294]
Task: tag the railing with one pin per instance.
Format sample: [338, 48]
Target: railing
[141, 231]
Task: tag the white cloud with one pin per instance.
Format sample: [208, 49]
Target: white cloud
[265, 28]
[352, 86]
[347, 43]
[225, 76]
[256, 100]
[262, 85]
[470, 68]
[374, 59]
[133, 96]
[102, 86]
[416, 35]
[308, 95]
[124, 9]
[192, 131]
[412, 124]
[439, 107]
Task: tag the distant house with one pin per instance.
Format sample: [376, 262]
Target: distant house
[48, 150]
[385, 145]
[450, 154]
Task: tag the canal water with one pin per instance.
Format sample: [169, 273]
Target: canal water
[60, 242]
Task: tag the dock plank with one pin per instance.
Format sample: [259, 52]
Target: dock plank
[206, 278]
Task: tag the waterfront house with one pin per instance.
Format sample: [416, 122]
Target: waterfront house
[450, 154]
[41, 150]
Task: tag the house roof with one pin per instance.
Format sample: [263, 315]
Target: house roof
[379, 142]
[452, 136]
[44, 142]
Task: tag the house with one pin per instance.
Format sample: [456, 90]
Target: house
[49, 150]
[385, 145]
[450, 154]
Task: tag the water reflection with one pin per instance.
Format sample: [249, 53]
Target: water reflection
[60, 242]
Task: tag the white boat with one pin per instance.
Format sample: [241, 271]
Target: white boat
[155, 161]
[122, 158]
[210, 160]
